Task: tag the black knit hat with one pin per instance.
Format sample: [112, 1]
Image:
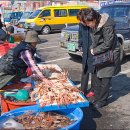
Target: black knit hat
[10, 29]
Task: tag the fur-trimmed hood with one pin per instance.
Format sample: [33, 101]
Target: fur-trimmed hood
[105, 21]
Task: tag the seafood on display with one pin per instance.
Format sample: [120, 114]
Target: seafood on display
[51, 67]
[60, 92]
[53, 72]
[43, 120]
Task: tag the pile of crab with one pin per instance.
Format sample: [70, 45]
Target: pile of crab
[43, 121]
[59, 92]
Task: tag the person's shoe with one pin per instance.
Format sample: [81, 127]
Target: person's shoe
[90, 94]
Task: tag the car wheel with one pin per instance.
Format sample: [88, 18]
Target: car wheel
[46, 30]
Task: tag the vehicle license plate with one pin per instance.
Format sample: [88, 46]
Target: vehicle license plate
[71, 47]
[74, 36]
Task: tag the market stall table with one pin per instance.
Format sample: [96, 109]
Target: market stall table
[55, 106]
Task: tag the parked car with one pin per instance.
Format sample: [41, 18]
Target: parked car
[48, 18]
[23, 18]
[120, 12]
[69, 40]
[12, 17]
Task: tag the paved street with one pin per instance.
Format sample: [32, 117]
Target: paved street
[116, 115]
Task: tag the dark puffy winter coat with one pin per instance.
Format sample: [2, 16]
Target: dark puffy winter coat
[104, 38]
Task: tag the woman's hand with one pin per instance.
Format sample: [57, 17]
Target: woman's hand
[92, 51]
[80, 49]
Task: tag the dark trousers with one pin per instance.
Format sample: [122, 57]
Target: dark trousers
[84, 79]
[101, 88]
[84, 82]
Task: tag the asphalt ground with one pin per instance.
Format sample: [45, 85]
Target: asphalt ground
[116, 115]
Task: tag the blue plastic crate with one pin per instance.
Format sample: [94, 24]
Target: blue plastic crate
[56, 107]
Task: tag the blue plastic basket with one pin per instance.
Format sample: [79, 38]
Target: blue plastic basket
[69, 106]
[75, 114]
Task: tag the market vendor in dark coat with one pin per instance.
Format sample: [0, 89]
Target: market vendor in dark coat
[84, 43]
[19, 62]
[104, 38]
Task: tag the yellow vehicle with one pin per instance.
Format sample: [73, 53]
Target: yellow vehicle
[49, 18]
